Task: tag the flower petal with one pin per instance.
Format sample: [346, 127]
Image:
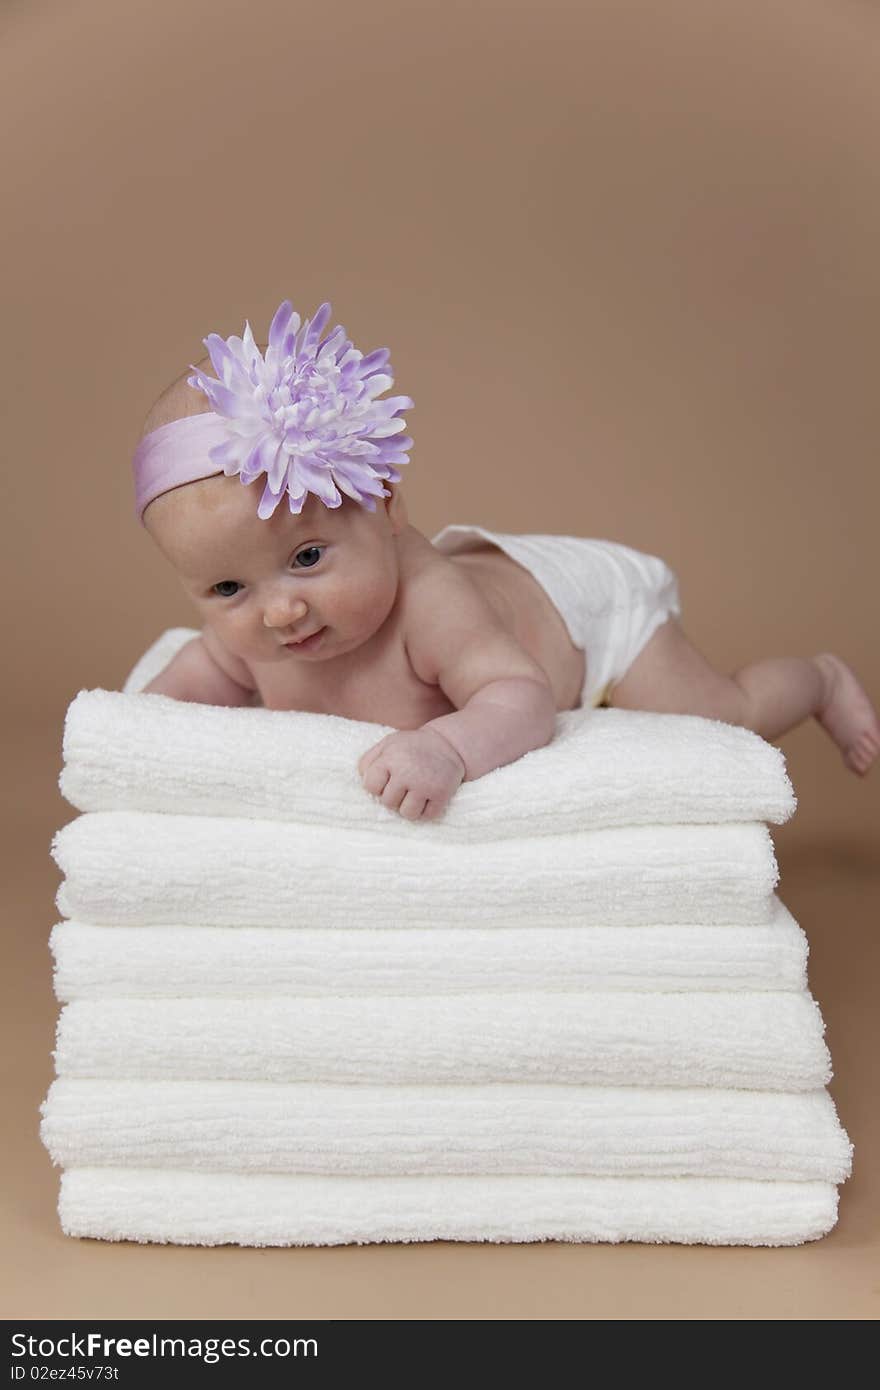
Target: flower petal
[318, 479]
[307, 414]
[268, 502]
[374, 385]
[229, 454]
[374, 360]
[277, 465]
[383, 428]
[278, 326]
[315, 328]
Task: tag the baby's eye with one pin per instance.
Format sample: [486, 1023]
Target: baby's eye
[227, 588]
[310, 555]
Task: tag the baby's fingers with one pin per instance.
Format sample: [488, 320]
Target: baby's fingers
[412, 806]
[376, 778]
[393, 793]
[372, 754]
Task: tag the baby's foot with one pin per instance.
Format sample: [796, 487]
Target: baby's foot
[847, 714]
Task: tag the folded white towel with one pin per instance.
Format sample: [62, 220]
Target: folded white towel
[97, 962]
[771, 1042]
[274, 1209]
[142, 869]
[601, 1131]
[124, 751]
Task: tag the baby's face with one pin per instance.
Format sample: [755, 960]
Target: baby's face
[261, 585]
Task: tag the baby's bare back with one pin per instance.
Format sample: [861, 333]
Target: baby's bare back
[378, 682]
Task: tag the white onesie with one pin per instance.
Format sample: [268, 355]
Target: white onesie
[611, 598]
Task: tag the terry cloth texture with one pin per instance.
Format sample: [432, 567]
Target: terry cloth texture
[758, 1041]
[124, 752]
[263, 1127]
[100, 962]
[275, 1209]
[574, 1008]
[141, 868]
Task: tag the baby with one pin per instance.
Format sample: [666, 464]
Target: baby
[316, 593]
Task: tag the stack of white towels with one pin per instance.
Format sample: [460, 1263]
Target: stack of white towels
[573, 1009]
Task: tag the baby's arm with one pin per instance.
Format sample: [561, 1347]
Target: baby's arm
[505, 705]
[195, 675]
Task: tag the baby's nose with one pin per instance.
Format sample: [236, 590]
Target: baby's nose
[282, 611]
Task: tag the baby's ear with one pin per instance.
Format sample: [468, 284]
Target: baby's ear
[395, 506]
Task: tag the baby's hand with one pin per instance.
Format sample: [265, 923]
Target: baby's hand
[413, 771]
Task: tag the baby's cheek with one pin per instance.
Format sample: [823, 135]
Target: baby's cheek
[368, 602]
[236, 633]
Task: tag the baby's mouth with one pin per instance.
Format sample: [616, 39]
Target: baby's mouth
[307, 643]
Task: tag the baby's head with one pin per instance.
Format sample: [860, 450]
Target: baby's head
[264, 576]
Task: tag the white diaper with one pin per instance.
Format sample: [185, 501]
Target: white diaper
[611, 598]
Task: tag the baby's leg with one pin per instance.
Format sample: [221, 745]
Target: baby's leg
[670, 676]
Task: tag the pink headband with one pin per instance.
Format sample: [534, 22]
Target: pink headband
[307, 416]
[175, 454]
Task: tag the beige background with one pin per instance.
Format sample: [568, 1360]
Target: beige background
[625, 258]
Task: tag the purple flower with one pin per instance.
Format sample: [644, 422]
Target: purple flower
[306, 415]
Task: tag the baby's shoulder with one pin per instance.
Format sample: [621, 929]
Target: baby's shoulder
[430, 580]
[441, 605]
